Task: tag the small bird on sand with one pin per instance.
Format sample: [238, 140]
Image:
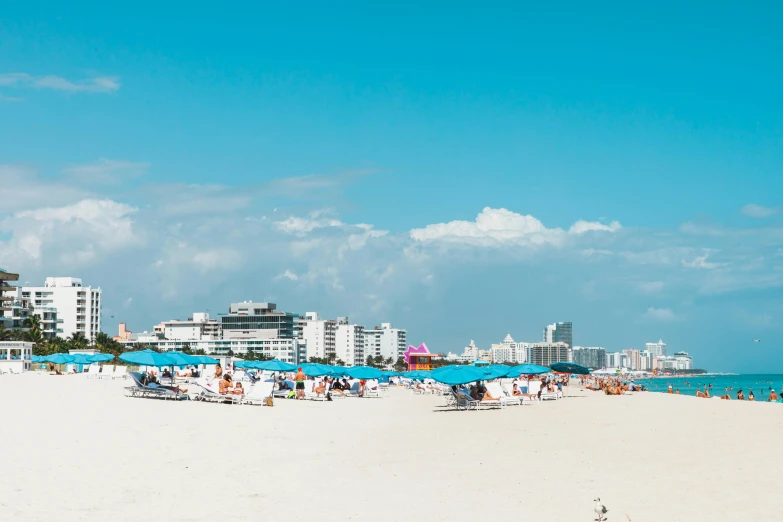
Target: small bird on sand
[600, 509]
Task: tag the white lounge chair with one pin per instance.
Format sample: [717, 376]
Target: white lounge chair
[94, 371]
[209, 393]
[258, 393]
[506, 399]
[108, 371]
[120, 372]
[150, 391]
[371, 389]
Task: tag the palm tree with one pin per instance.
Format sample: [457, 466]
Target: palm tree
[339, 362]
[77, 341]
[33, 325]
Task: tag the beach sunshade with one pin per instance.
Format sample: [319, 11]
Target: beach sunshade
[495, 371]
[59, 358]
[205, 359]
[455, 375]
[480, 363]
[364, 372]
[182, 359]
[101, 357]
[527, 369]
[81, 358]
[338, 371]
[388, 373]
[241, 364]
[316, 369]
[147, 358]
[38, 358]
[567, 367]
[274, 366]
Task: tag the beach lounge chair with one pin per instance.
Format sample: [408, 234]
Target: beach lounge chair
[522, 398]
[208, 393]
[150, 391]
[94, 372]
[506, 399]
[120, 372]
[258, 393]
[371, 389]
[107, 371]
[310, 391]
[354, 389]
[465, 401]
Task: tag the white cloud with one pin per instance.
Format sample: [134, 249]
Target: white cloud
[4, 98]
[757, 211]
[500, 227]
[701, 262]
[95, 84]
[106, 170]
[581, 227]
[74, 234]
[28, 189]
[660, 314]
[302, 226]
[287, 275]
[651, 287]
[218, 258]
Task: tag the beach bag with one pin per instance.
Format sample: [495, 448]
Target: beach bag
[268, 401]
[329, 396]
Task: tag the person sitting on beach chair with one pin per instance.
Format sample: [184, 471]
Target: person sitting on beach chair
[225, 386]
[319, 388]
[238, 389]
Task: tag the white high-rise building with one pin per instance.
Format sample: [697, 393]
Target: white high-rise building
[349, 342]
[197, 328]
[656, 349]
[318, 334]
[78, 307]
[509, 351]
[388, 342]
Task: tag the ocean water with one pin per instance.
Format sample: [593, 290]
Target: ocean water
[759, 383]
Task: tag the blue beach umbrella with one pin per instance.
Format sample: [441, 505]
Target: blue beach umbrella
[527, 369]
[388, 373]
[38, 358]
[101, 357]
[338, 371]
[316, 369]
[81, 359]
[182, 359]
[456, 375]
[495, 371]
[147, 358]
[274, 366]
[59, 358]
[480, 363]
[205, 359]
[567, 367]
[241, 363]
[364, 372]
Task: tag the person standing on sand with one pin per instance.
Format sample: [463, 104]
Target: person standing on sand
[299, 378]
[740, 396]
[773, 397]
[751, 397]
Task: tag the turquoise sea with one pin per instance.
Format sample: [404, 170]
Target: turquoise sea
[759, 383]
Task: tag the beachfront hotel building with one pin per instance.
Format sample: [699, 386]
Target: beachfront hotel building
[349, 343]
[197, 328]
[545, 354]
[65, 307]
[509, 351]
[388, 342]
[559, 333]
[287, 350]
[318, 334]
[678, 361]
[656, 349]
[249, 320]
[589, 356]
[7, 297]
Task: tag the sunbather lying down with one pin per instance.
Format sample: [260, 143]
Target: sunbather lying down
[172, 388]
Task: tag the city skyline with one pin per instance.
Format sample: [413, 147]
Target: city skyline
[553, 163]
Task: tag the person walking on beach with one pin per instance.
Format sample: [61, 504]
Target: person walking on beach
[299, 378]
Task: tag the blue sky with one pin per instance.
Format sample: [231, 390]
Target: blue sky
[189, 155]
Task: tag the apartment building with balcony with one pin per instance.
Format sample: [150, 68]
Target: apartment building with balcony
[65, 306]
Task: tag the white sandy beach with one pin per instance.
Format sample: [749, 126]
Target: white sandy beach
[77, 450]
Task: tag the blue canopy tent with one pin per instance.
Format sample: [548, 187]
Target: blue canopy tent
[273, 365]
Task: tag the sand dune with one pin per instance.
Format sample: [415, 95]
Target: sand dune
[76, 449]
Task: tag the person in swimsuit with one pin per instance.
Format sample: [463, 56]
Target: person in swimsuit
[225, 385]
[740, 396]
[751, 397]
[299, 378]
[773, 397]
[218, 371]
[238, 389]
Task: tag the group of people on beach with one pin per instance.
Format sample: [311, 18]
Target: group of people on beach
[772, 397]
[613, 385]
